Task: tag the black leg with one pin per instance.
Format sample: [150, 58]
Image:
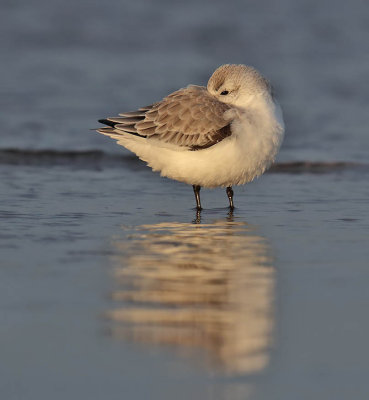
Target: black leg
[230, 197]
[197, 220]
[196, 190]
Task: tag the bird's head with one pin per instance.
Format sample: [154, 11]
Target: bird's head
[238, 85]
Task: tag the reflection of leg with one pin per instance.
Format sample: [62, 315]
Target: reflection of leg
[196, 190]
[230, 197]
[230, 215]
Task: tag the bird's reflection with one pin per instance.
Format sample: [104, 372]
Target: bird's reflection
[209, 286]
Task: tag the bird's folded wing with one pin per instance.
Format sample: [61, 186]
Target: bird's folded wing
[189, 117]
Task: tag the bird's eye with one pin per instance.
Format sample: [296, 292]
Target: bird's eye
[224, 93]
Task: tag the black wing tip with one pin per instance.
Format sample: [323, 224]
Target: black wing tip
[107, 122]
[111, 124]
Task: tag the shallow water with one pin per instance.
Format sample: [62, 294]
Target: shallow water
[111, 286]
[100, 293]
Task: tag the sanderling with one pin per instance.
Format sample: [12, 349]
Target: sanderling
[225, 134]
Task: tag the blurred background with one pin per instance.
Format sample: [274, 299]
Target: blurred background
[99, 254]
[65, 64]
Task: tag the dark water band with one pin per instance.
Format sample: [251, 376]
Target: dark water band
[97, 159]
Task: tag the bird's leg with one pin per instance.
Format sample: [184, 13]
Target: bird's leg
[230, 197]
[197, 220]
[196, 190]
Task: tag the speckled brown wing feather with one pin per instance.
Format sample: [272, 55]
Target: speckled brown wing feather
[189, 117]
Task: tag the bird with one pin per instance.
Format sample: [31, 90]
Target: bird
[222, 135]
